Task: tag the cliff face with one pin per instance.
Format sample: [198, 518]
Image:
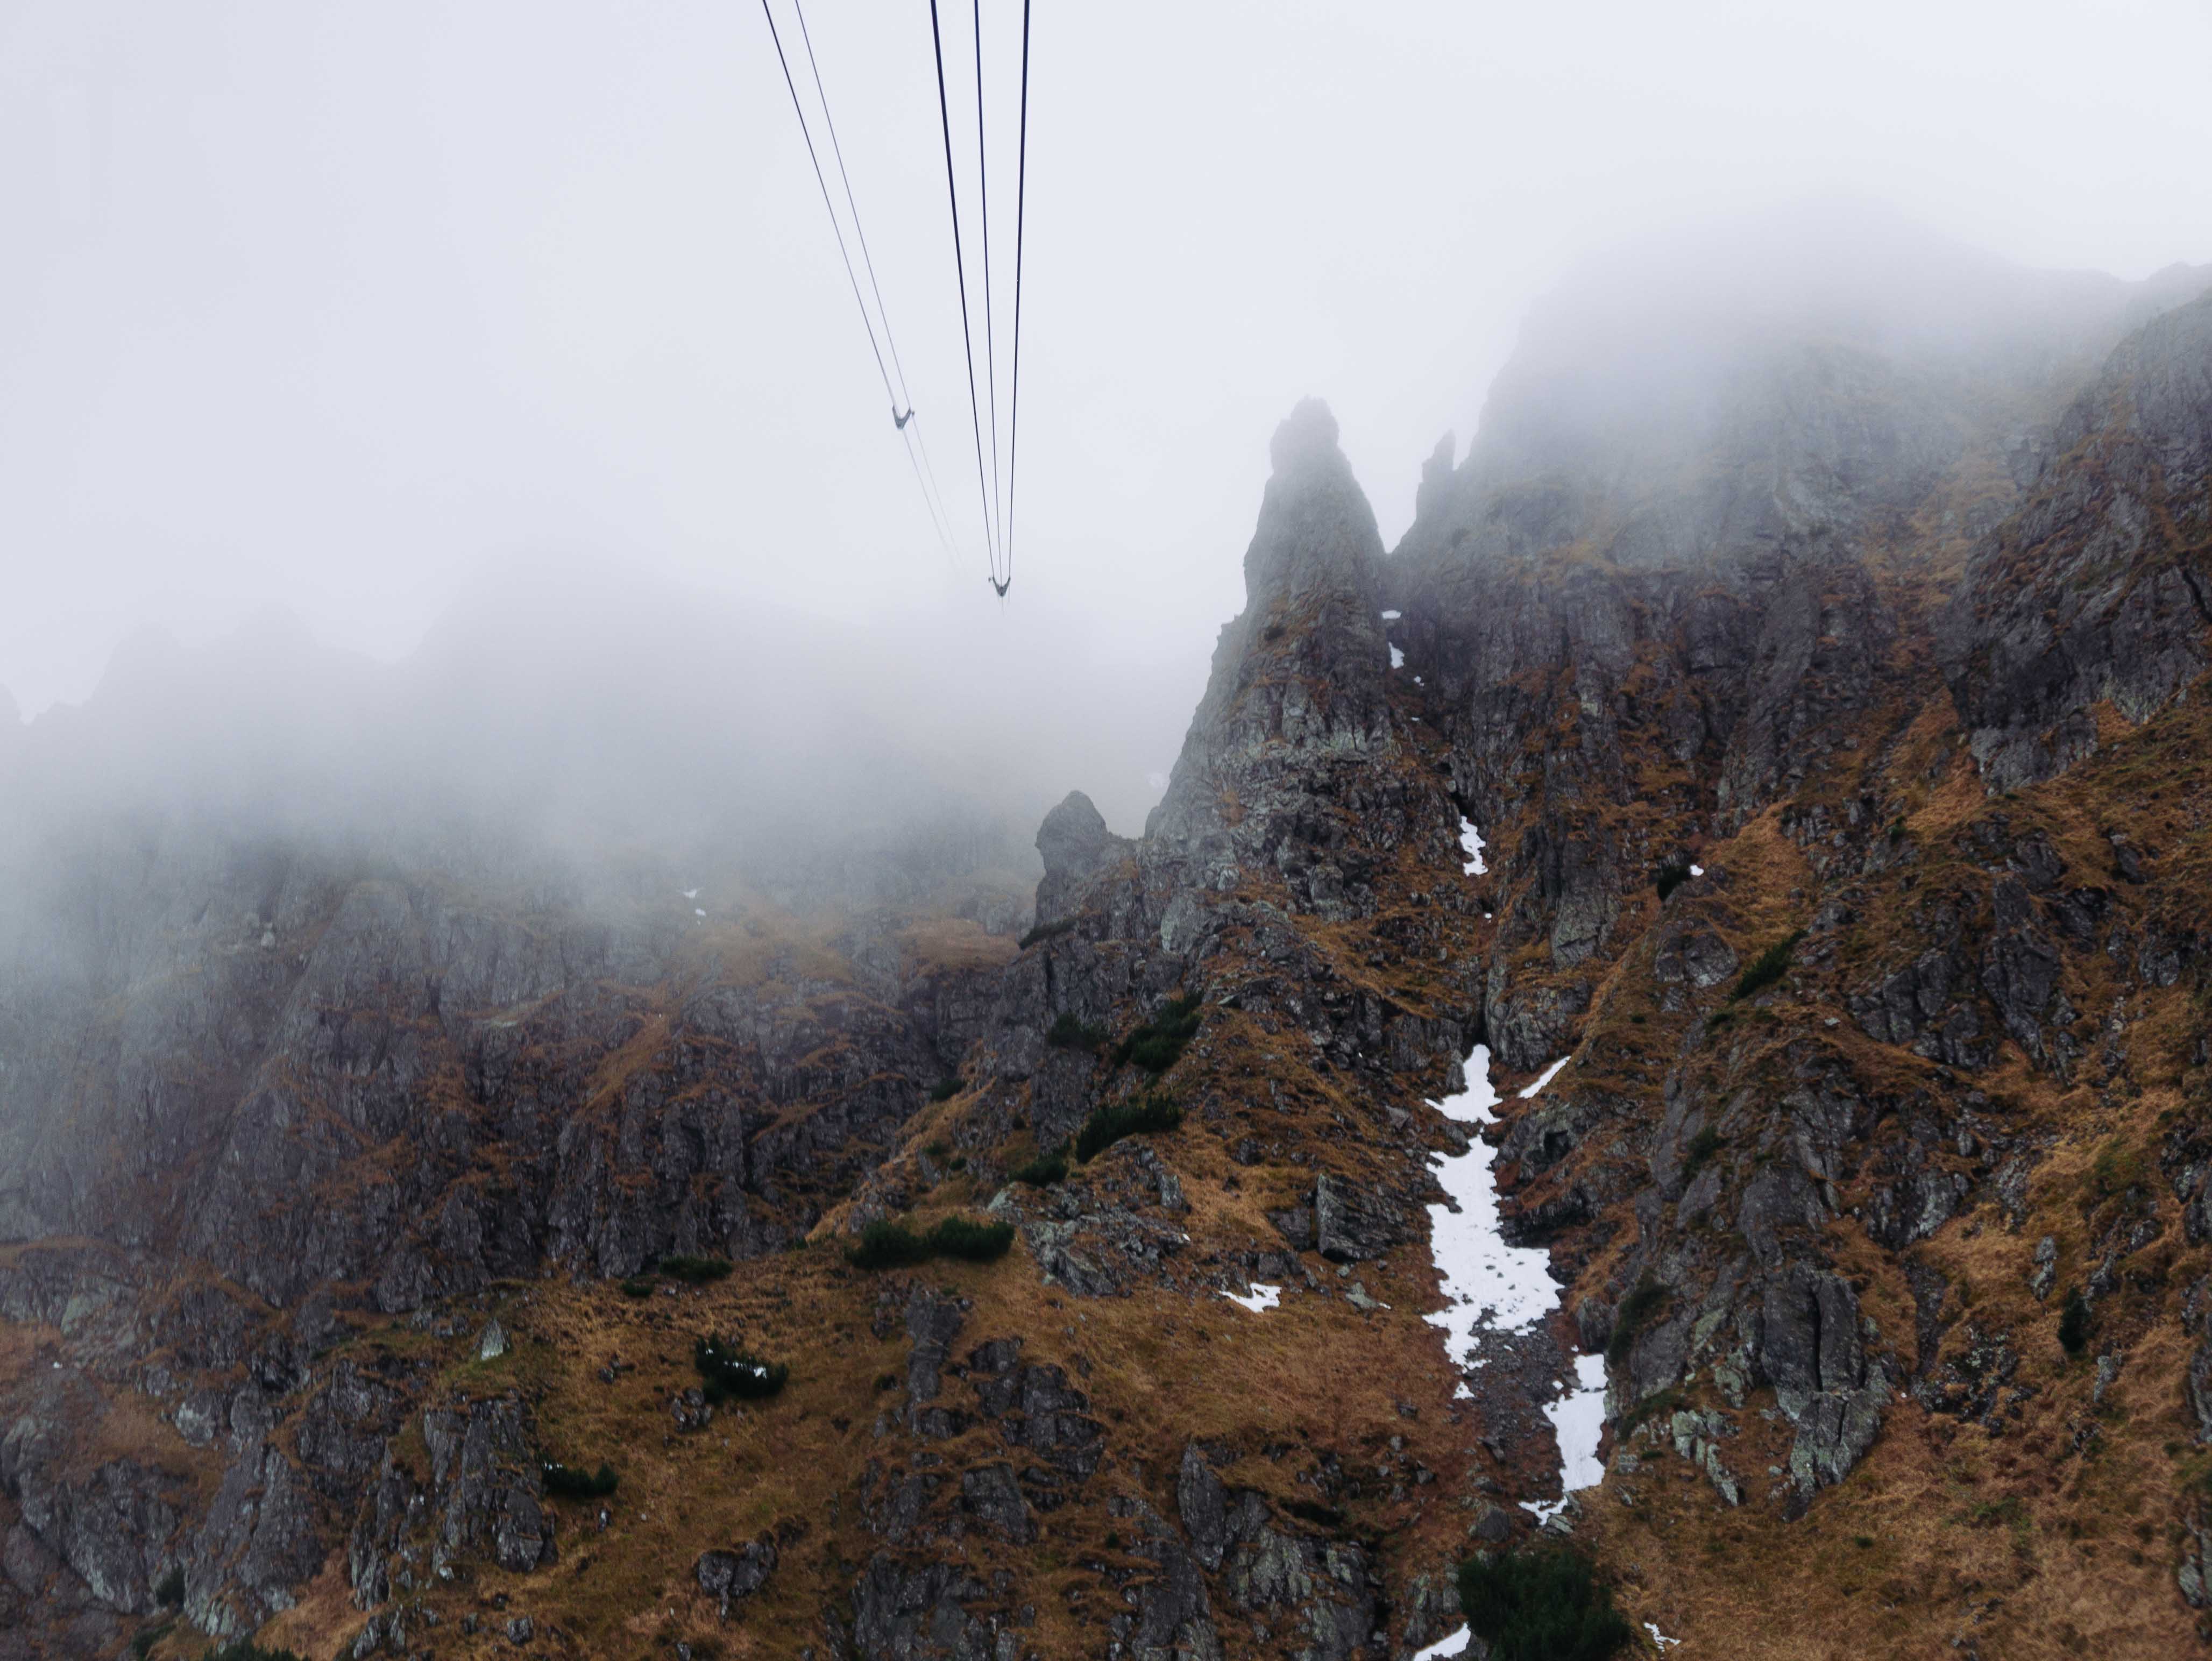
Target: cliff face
[2095, 593]
[1825, 680]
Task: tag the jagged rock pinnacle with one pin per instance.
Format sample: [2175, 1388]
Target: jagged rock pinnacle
[1073, 842]
[1306, 438]
[1315, 527]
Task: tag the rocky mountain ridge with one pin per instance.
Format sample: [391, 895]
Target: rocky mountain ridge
[1837, 760]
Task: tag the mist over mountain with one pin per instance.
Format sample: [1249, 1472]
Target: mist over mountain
[575, 717]
[1651, 1045]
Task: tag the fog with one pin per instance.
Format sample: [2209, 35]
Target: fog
[421, 410]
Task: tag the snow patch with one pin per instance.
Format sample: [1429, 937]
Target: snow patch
[1489, 1286]
[1470, 844]
[695, 912]
[690, 894]
[1261, 1297]
[1485, 1282]
[1397, 659]
[1545, 1076]
[1695, 871]
[1660, 1640]
[1454, 1644]
[1392, 616]
[1578, 1421]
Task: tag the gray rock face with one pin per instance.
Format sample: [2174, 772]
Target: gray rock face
[1322, 1595]
[116, 1525]
[1295, 706]
[486, 1472]
[1074, 844]
[1697, 1439]
[918, 1612]
[1354, 1225]
[729, 1577]
[2096, 591]
[46, 1611]
[1812, 1354]
[259, 1545]
[402, 1009]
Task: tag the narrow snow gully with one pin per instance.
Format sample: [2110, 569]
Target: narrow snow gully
[1491, 1289]
[1487, 1284]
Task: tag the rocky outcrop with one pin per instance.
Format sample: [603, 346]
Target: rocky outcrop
[1074, 843]
[2097, 591]
[1282, 759]
[1318, 1597]
[729, 1577]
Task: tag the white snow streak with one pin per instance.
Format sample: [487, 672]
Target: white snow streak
[1578, 1420]
[1454, 1644]
[1262, 1297]
[1489, 1286]
[1545, 1076]
[1397, 659]
[1486, 1282]
[1470, 844]
[1658, 1638]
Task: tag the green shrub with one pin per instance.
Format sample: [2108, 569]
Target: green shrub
[1155, 1045]
[1659, 1404]
[1667, 878]
[970, 1240]
[2075, 1322]
[728, 1372]
[694, 1271]
[944, 1089]
[2117, 1169]
[1703, 1146]
[888, 1245]
[637, 1287]
[1069, 1031]
[1766, 968]
[1637, 1307]
[1540, 1605]
[1044, 1170]
[568, 1482]
[1114, 1121]
[169, 1589]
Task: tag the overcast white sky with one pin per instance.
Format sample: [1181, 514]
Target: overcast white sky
[340, 306]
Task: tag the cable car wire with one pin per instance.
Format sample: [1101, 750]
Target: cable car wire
[938, 519]
[1021, 204]
[990, 309]
[960, 267]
